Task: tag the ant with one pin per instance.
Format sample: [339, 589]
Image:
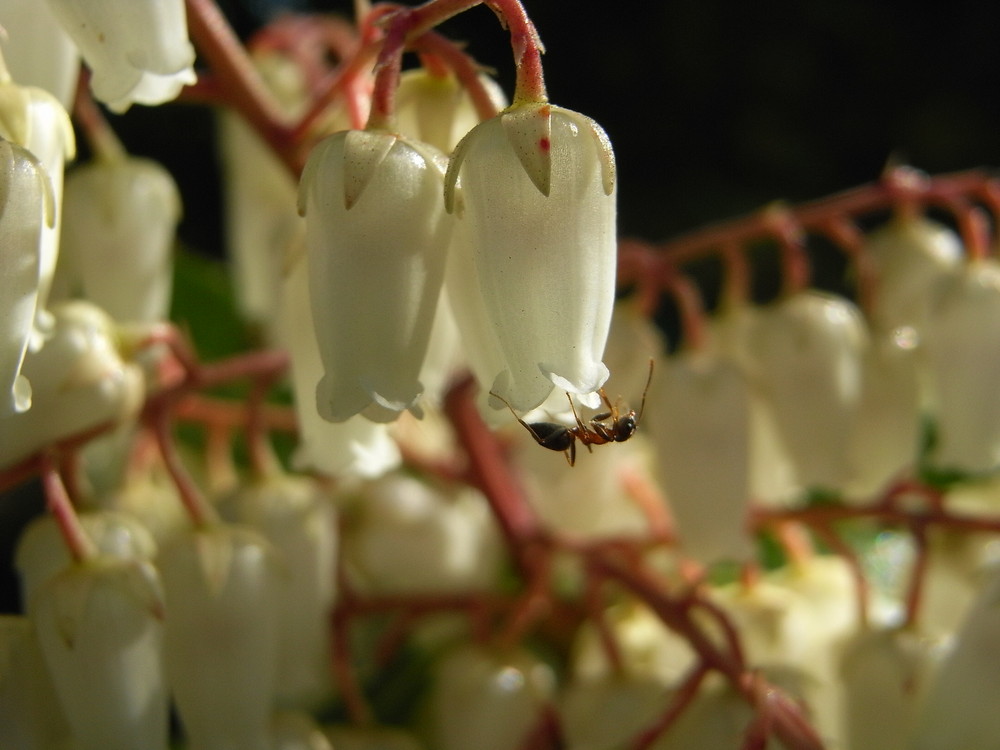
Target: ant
[606, 427]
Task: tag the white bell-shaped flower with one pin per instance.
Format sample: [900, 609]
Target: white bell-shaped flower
[34, 119]
[24, 194]
[886, 434]
[221, 637]
[910, 255]
[100, 628]
[963, 363]
[959, 707]
[534, 191]
[808, 349]
[699, 418]
[138, 50]
[378, 237]
[79, 381]
[437, 109]
[486, 699]
[296, 516]
[122, 213]
[405, 537]
[30, 715]
[351, 449]
[42, 553]
[38, 52]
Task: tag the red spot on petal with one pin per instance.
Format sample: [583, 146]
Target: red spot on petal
[544, 144]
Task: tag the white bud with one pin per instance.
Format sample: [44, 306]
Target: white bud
[485, 699]
[377, 235]
[910, 256]
[406, 537]
[122, 214]
[534, 191]
[137, 50]
[221, 640]
[300, 521]
[100, 627]
[699, 418]
[963, 362]
[30, 715]
[807, 349]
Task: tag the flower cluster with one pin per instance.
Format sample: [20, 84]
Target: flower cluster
[791, 543]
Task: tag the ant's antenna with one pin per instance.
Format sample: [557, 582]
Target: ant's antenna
[649, 379]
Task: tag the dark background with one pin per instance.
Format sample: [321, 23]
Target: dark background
[714, 107]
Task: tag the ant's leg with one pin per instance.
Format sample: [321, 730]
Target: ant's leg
[579, 422]
[531, 430]
[571, 453]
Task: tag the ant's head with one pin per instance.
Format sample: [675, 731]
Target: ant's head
[625, 427]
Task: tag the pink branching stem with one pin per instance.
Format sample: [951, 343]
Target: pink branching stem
[347, 679]
[789, 724]
[791, 237]
[232, 414]
[220, 468]
[647, 496]
[546, 734]
[57, 501]
[235, 73]
[308, 40]
[464, 67]
[848, 236]
[493, 476]
[199, 510]
[848, 555]
[532, 604]
[263, 462]
[736, 289]
[680, 699]
[530, 82]
[641, 265]
[596, 613]
[918, 574]
[32, 466]
[690, 306]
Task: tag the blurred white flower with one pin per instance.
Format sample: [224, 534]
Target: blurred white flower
[24, 194]
[963, 361]
[137, 50]
[79, 379]
[807, 350]
[100, 628]
[221, 639]
[437, 109]
[121, 213]
[378, 237]
[534, 192]
[38, 52]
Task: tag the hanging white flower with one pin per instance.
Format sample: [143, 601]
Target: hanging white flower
[122, 213]
[534, 191]
[24, 194]
[377, 234]
[137, 50]
[35, 120]
[38, 52]
[357, 448]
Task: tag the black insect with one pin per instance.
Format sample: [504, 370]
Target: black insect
[607, 427]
